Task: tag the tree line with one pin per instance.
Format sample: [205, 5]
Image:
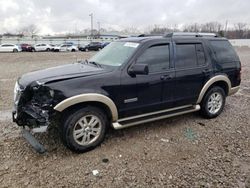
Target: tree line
[235, 31]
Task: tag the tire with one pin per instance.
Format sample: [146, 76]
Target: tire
[47, 50]
[75, 121]
[213, 102]
[15, 50]
[73, 50]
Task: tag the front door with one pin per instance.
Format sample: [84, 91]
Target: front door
[144, 93]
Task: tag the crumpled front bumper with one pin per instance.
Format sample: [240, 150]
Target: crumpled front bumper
[28, 135]
[33, 141]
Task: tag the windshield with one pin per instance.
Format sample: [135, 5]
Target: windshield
[115, 54]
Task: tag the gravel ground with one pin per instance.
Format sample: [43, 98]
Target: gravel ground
[185, 151]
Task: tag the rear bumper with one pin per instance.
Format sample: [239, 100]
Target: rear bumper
[233, 90]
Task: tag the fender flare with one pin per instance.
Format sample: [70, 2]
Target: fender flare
[89, 97]
[212, 81]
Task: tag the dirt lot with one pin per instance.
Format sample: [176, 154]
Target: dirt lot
[185, 151]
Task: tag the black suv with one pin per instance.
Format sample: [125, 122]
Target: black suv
[95, 46]
[131, 81]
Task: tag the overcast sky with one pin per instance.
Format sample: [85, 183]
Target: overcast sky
[58, 16]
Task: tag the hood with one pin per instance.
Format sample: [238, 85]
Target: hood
[60, 73]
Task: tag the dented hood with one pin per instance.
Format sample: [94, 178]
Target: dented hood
[60, 73]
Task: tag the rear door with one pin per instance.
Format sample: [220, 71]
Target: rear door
[38, 47]
[43, 47]
[63, 48]
[10, 48]
[193, 69]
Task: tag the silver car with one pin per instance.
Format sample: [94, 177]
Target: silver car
[66, 48]
[43, 47]
[10, 48]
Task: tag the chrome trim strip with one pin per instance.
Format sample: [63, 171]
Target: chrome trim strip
[130, 100]
[118, 125]
[153, 113]
[210, 82]
[89, 97]
[233, 90]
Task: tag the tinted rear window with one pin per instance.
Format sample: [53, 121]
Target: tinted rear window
[189, 56]
[224, 51]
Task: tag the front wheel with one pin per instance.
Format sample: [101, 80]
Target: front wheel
[84, 129]
[15, 50]
[213, 103]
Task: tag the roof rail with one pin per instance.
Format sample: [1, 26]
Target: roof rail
[189, 34]
[149, 35]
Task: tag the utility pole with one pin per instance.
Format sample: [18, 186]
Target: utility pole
[91, 18]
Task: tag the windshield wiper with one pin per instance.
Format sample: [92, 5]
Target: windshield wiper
[93, 63]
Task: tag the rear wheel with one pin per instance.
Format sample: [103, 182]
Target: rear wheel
[15, 50]
[47, 49]
[73, 50]
[84, 129]
[213, 103]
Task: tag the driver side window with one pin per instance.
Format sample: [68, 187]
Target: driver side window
[156, 57]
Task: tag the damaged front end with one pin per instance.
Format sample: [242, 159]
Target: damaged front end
[33, 106]
[33, 110]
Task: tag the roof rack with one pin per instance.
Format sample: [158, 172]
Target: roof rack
[149, 35]
[188, 34]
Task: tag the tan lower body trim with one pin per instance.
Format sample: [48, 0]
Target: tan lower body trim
[233, 90]
[119, 125]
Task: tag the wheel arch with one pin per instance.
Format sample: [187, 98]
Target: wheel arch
[219, 80]
[94, 99]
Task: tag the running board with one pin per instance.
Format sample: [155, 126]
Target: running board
[148, 117]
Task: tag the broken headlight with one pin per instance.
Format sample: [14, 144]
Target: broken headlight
[17, 93]
[42, 96]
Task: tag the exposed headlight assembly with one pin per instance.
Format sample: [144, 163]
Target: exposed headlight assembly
[17, 93]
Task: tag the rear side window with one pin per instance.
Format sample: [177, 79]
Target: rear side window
[189, 56]
[224, 51]
[156, 57]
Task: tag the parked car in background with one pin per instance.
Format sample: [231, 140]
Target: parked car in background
[93, 46]
[66, 48]
[104, 44]
[83, 47]
[27, 48]
[10, 48]
[43, 47]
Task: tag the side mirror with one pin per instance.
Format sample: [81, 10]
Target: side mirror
[138, 69]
